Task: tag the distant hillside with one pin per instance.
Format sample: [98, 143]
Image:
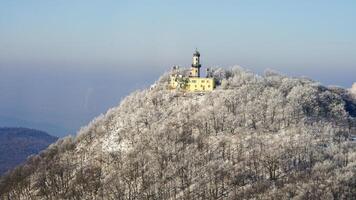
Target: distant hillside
[6, 121]
[253, 137]
[16, 144]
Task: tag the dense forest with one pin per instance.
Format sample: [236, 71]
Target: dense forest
[254, 137]
[16, 144]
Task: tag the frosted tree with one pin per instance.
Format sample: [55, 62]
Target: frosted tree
[253, 137]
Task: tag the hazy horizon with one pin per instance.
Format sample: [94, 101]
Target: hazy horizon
[64, 62]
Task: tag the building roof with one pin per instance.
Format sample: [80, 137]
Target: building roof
[196, 53]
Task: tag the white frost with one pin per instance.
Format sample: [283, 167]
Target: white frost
[353, 89]
[113, 143]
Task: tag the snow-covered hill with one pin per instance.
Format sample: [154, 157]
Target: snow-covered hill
[254, 137]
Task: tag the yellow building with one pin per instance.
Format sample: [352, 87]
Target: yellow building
[191, 81]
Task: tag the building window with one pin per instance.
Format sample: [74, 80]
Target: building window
[203, 81]
[194, 81]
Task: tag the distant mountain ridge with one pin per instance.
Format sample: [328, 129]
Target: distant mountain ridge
[16, 144]
[8, 121]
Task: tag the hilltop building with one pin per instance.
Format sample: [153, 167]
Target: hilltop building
[191, 81]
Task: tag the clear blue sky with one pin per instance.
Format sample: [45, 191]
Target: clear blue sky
[63, 61]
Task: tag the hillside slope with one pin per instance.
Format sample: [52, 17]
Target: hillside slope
[254, 137]
[16, 144]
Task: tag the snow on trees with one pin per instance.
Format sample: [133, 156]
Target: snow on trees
[254, 137]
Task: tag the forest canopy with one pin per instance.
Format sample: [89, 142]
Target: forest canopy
[254, 137]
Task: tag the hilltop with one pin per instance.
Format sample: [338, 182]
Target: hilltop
[16, 144]
[253, 137]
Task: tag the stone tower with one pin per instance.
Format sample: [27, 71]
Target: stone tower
[195, 70]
